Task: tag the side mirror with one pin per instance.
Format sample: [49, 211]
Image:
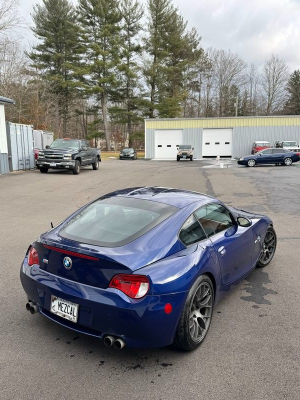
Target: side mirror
[84, 148]
[244, 222]
[47, 147]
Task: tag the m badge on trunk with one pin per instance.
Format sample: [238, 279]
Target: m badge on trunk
[67, 262]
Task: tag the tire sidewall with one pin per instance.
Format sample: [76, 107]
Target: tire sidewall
[290, 163]
[184, 320]
[250, 161]
[261, 265]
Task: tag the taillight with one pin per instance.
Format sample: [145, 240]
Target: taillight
[134, 286]
[298, 154]
[33, 257]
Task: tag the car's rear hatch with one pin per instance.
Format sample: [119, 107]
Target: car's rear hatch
[84, 266]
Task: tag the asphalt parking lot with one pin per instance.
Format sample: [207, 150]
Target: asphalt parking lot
[252, 350]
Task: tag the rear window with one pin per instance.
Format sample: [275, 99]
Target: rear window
[116, 221]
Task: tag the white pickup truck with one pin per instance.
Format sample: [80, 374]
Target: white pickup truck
[288, 144]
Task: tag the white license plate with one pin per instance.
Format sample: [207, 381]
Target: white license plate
[52, 164]
[64, 308]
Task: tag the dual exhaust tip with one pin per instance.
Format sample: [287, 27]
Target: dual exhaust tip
[33, 308]
[117, 343]
[109, 340]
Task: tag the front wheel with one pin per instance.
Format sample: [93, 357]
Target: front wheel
[251, 163]
[196, 315]
[95, 164]
[268, 248]
[76, 170]
[288, 161]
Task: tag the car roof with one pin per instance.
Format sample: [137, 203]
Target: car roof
[174, 197]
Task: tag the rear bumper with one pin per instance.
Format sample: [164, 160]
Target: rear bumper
[141, 323]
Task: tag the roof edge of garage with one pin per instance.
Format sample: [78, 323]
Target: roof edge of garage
[212, 118]
[6, 100]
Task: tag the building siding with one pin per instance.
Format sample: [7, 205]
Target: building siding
[4, 167]
[222, 122]
[241, 147]
[246, 130]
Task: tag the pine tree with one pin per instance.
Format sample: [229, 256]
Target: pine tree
[293, 88]
[101, 33]
[159, 14]
[130, 112]
[57, 55]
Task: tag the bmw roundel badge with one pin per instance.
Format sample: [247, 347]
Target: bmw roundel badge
[67, 262]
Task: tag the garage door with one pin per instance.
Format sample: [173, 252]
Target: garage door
[217, 142]
[166, 142]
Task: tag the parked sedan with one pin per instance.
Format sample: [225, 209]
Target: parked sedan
[128, 153]
[144, 267]
[270, 156]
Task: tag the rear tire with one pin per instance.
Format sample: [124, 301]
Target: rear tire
[251, 163]
[95, 164]
[76, 170]
[43, 170]
[196, 315]
[288, 161]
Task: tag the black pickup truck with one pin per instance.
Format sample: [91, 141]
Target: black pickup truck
[69, 154]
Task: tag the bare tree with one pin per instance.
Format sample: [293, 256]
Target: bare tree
[10, 18]
[274, 80]
[228, 74]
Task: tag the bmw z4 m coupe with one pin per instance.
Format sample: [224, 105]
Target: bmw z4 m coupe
[144, 267]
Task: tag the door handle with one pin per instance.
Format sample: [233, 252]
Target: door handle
[222, 250]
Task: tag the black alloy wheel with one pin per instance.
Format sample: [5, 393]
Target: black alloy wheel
[95, 164]
[43, 170]
[268, 248]
[196, 315]
[76, 170]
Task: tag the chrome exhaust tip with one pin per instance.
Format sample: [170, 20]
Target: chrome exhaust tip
[119, 344]
[109, 341]
[34, 309]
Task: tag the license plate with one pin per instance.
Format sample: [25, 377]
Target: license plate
[52, 164]
[64, 308]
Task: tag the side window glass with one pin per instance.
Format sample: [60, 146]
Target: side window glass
[191, 231]
[214, 218]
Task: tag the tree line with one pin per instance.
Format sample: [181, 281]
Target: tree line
[102, 66]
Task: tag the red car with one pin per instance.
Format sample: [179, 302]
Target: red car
[260, 145]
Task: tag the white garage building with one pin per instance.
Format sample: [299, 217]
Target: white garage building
[211, 137]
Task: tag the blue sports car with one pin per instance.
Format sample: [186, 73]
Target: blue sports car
[270, 156]
[144, 267]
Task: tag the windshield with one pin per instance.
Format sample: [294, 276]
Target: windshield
[185, 147]
[286, 144]
[127, 150]
[116, 221]
[64, 144]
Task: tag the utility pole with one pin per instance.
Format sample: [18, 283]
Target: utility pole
[236, 105]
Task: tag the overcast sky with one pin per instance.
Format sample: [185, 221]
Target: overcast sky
[255, 29]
